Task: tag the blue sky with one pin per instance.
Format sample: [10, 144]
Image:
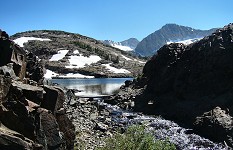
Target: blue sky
[112, 19]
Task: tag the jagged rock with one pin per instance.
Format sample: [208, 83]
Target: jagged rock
[11, 140]
[34, 69]
[12, 53]
[217, 124]
[68, 129]
[54, 137]
[53, 99]
[33, 93]
[21, 105]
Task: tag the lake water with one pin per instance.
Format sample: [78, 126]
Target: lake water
[95, 86]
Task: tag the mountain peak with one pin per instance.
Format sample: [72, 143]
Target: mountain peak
[169, 33]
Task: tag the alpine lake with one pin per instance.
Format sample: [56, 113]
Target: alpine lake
[93, 86]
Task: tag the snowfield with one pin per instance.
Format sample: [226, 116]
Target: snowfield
[185, 42]
[61, 54]
[49, 74]
[75, 75]
[20, 41]
[121, 47]
[115, 70]
[126, 58]
[80, 61]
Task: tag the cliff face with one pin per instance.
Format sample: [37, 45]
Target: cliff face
[29, 119]
[191, 85]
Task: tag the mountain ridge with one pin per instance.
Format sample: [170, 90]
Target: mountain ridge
[169, 32]
[126, 45]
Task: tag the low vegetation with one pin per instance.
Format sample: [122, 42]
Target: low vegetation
[136, 138]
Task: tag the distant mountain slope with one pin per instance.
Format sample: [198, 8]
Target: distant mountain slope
[168, 33]
[73, 55]
[126, 45]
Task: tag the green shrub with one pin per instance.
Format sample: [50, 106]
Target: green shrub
[135, 138]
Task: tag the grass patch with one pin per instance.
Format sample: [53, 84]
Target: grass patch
[135, 138]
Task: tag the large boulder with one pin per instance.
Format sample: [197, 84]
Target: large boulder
[35, 69]
[217, 124]
[52, 134]
[53, 101]
[33, 93]
[11, 140]
[53, 98]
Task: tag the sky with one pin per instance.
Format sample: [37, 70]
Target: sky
[115, 20]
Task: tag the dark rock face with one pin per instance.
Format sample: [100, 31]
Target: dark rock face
[24, 123]
[4, 87]
[170, 32]
[183, 82]
[216, 124]
[10, 140]
[34, 69]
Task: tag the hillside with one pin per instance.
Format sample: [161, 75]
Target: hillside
[73, 55]
[167, 34]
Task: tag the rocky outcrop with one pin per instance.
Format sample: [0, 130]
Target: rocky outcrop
[31, 116]
[183, 82]
[49, 127]
[169, 32]
[216, 124]
[35, 69]
[11, 140]
[12, 53]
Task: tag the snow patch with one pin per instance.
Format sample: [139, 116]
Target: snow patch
[49, 74]
[185, 42]
[121, 47]
[20, 41]
[76, 52]
[76, 75]
[61, 54]
[142, 62]
[81, 61]
[115, 70]
[126, 58]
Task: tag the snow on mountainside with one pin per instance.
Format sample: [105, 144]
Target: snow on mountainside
[127, 45]
[20, 41]
[185, 42]
[69, 55]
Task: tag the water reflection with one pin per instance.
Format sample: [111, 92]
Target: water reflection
[103, 86]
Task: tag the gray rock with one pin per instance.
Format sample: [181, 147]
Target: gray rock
[216, 124]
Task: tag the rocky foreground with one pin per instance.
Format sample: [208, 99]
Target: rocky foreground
[95, 121]
[32, 115]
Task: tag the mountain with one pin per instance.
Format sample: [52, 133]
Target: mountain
[169, 33]
[73, 55]
[127, 45]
